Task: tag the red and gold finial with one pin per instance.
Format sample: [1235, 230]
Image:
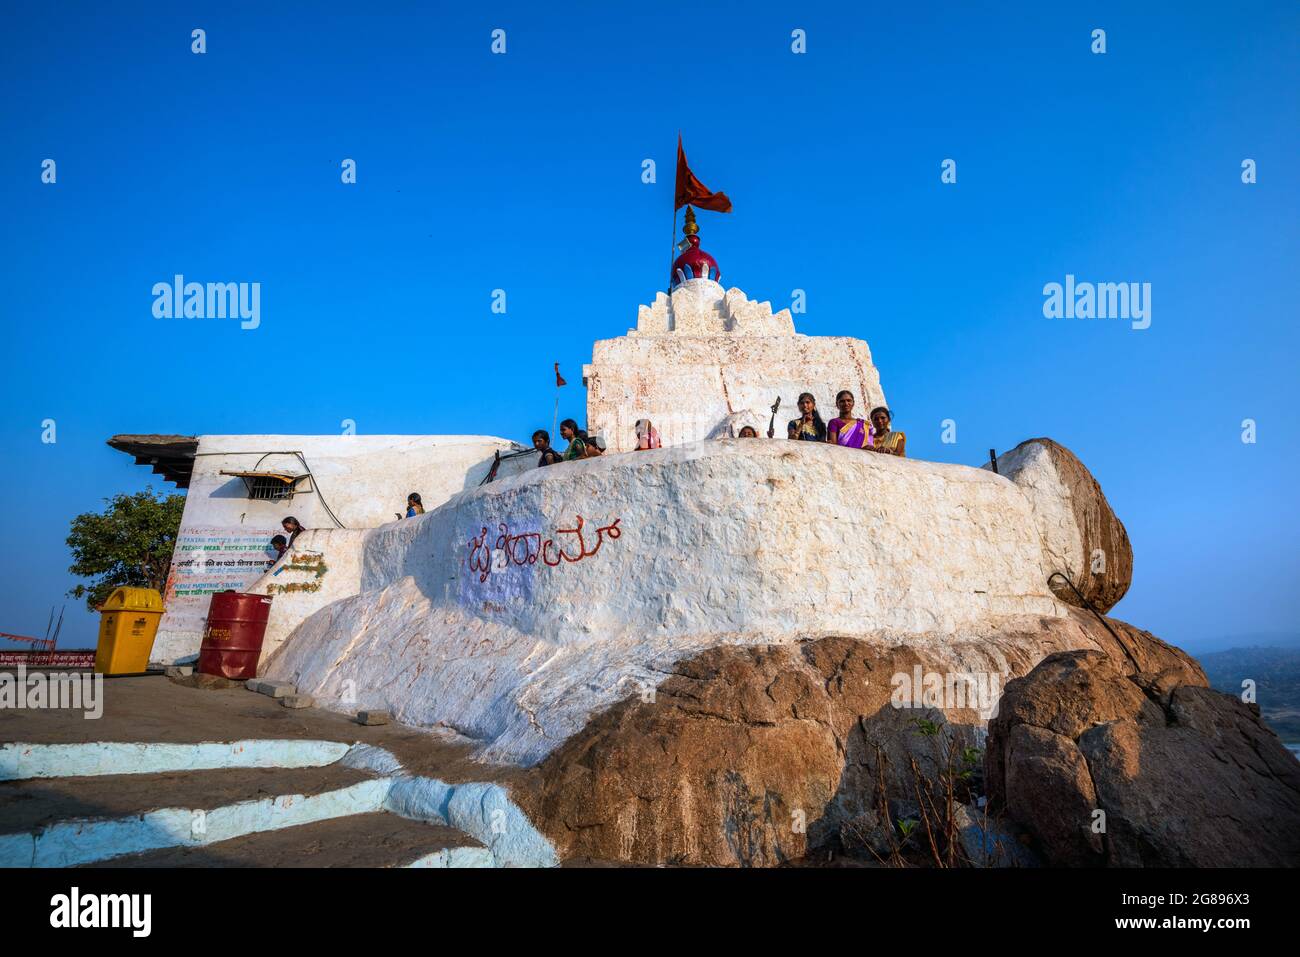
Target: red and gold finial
[694, 263]
[690, 229]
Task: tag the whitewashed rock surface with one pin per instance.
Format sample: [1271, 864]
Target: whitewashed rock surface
[734, 541]
[1031, 465]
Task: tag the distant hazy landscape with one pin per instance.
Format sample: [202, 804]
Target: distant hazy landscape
[1276, 673]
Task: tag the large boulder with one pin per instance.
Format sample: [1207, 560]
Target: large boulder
[1109, 766]
[756, 756]
[1082, 537]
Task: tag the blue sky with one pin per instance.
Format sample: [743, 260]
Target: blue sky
[523, 172]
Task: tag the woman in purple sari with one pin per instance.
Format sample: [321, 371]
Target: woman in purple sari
[844, 429]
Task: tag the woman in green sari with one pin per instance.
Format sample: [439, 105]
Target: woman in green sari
[577, 447]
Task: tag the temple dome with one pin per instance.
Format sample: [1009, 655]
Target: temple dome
[694, 263]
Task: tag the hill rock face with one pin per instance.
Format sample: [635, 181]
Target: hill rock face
[755, 756]
[1123, 768]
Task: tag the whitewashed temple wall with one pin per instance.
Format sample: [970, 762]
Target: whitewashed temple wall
[224, 538]
[705, 362]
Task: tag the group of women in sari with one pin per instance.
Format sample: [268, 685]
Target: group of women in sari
[581, 445]
[846, 429]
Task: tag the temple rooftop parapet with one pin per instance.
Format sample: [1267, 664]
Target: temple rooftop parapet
[703, 307]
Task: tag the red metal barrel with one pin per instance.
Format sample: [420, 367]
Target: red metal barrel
[232, 639]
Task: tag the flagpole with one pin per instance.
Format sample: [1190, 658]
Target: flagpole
[555, 416]
[672, 240]
[672, 246]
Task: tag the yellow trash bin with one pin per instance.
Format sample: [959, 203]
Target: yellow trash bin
[126, 631]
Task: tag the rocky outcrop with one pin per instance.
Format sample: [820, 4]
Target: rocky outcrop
[1082, 537]
[755, 756]
[694, 672]
[1106, 765]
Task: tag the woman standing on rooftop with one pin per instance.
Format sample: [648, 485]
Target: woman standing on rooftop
[809, 427]
[577, 447]
[883, 439]
[844, 429]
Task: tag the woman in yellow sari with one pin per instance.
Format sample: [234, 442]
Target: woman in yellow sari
[884, 439]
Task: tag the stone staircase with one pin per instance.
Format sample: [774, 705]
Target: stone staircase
[237, 804]
[378, 839]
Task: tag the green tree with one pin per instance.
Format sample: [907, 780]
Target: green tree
[129, 543]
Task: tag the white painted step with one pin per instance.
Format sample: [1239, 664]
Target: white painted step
[362, 840]
[69, 821]
[22, 760]
[80, 803]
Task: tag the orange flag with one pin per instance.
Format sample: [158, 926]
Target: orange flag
[559, 379]
[691, 191]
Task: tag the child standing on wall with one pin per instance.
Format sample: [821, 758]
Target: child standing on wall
[542, 443]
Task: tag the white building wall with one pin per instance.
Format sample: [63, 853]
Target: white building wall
[224, 539]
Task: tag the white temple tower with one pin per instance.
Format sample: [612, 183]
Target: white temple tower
[704, 361]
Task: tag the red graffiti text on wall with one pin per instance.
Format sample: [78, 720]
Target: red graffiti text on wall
[526, 547]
